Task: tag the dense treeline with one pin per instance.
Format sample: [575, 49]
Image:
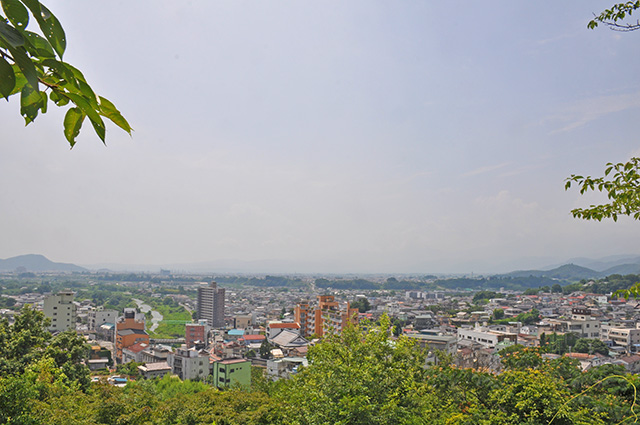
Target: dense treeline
[483, 283]
[267, 281]
[358, 377]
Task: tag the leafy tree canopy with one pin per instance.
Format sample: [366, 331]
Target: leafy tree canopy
[31, 66]
[615, 16]
[621, 182]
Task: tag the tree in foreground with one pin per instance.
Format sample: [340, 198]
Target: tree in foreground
[31, 66]
[359, 377]
[615, 17]
[621, 183]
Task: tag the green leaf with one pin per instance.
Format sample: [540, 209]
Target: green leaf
[45, 102]
[72, 124]
[109, 110]
[49, 25]
[58, 98]
[16, 12]
[38, 46]
[34, 7]
[30, 103]
[21, 81]
[10, 35]
[7, 78]
[76, 72]
[61, 69]
[94, 117]
[19, 55]
[53, 31]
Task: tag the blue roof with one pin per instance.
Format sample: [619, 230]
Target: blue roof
[236, 332]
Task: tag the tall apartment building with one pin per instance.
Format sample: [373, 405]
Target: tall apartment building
[326, 316]
[211, 304]
[61, 310]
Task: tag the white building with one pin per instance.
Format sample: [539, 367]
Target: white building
[99, 317]
[61, 310]
[485, 336]
[629, 338]
[189, 364]
[581, 323]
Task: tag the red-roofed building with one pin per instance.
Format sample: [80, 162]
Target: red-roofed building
[133, 353]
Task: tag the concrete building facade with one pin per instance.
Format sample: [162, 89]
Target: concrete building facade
[189, 364]
[228, 373]
[211, 304]
[61, 310]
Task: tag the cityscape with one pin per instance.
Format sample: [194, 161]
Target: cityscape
[310, 213]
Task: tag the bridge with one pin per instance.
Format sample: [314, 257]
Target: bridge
[167, 341]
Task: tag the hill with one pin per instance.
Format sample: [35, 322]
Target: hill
[37, 263]
[566, 272]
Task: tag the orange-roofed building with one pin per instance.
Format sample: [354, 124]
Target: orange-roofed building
[274, 328]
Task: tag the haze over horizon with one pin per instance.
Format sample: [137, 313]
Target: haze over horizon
[362, 136]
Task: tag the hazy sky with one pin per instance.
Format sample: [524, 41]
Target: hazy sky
[364, 136]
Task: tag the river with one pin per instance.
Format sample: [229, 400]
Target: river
[156, 317]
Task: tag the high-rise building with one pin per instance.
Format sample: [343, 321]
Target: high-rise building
[61, 310]
[211, 304]
[328, 316]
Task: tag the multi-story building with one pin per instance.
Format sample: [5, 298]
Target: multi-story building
[243, 321]
[189, 364]
[327, 316]
[581, 323]
[61, 309]
[129, 330]
[196, 332]
[133, 353]
[99, 317]
[154, 370]
[211, 304]
[629, 338]
[228, 373]
[488, 338]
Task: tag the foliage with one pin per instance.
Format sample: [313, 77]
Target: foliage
[358, 377]
[28, 342]
[486, 295]
[614, 16]
[560, 343]
[362, 304]
[591, 346]
[265, 349]
[528, 318]
[622, 189]
[29, 60]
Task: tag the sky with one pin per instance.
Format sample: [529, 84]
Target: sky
[360, 136]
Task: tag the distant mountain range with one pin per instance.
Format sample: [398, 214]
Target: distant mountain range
[576, 269]
[36, 263]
